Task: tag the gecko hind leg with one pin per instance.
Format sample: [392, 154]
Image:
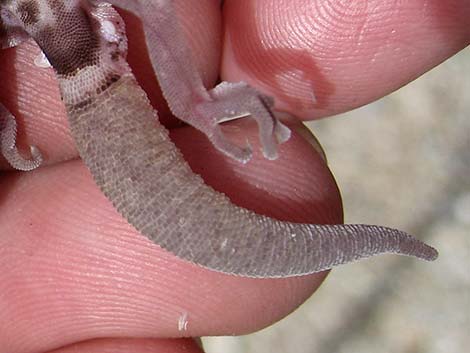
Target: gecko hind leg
[235, 100]
[182, 85]
[8, 146]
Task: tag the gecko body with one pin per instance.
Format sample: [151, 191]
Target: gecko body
[140, 170]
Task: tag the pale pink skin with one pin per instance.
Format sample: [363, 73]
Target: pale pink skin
[63, 201]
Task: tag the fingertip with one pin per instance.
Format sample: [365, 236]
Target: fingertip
[297, 186]
[319, 58]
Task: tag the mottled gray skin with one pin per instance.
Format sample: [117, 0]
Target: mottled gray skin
[140, 170]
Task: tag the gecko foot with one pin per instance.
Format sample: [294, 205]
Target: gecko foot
[8, 144]
[11, 33]
[235, 100]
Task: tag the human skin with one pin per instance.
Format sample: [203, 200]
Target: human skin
[73, 270]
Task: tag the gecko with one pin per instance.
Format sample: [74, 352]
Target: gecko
[137, 166]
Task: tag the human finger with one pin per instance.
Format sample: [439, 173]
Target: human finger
[321, 57]
[73, 269]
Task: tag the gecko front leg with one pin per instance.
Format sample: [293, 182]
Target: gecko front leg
[144, 175]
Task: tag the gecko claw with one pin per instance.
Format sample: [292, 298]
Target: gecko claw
[282, 132]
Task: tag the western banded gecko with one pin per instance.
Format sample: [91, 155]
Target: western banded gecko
[140, 170]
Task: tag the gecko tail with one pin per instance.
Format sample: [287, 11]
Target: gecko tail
[155, 190]
[404, 244]
[353, 242]
[283, 249]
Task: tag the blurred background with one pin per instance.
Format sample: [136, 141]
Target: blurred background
[403, 161]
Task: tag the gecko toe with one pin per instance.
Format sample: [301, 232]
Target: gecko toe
[8, 146]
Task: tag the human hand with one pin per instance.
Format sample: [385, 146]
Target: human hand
[73, 270]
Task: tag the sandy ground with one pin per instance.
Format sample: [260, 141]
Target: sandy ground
[403, 161]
